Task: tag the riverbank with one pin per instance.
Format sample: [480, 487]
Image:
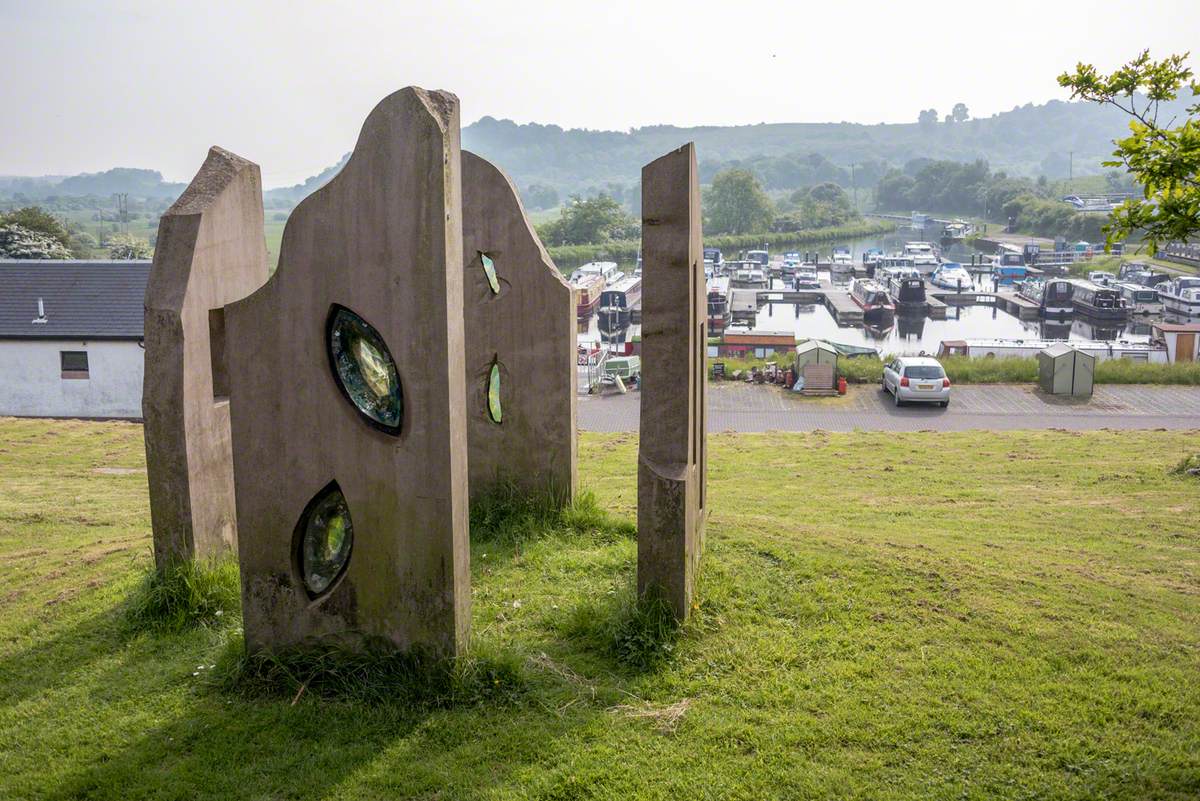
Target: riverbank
[1033, 636]
[627, 249]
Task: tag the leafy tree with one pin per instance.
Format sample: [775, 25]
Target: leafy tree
[736, 204]
[19, 242]
[540, 196]
[1164, 159]
[35, 218]
[125, 247]
[927, 119]
[826, 204]
[959, 112]
[589, 221]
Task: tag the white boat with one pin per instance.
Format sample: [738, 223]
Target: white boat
[749, 278]
[719, 313]
[1181, 296]
[806, 278]
[951, 275]
[841, 261]
[608, 269]
[760, 257]
[1101, 277]
[1029, 348]
[1141, 299]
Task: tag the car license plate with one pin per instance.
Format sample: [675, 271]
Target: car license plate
[924, 386]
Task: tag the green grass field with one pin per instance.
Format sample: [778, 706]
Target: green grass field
[912, 616]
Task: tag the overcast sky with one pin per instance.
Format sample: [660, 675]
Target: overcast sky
[86, 86]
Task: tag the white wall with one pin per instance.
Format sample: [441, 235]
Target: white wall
[31, 382]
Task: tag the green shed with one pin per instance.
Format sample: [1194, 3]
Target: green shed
[814, 351]
[1064, 370]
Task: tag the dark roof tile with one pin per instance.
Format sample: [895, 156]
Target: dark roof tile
[82, 299]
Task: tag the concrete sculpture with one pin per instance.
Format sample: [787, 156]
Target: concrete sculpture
[672, 465]
[519, 318]
[211, 251]
[346, 373]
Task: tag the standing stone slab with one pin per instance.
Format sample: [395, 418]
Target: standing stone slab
[672, 466]
[349, 431]
[211, 251]
[520, 344]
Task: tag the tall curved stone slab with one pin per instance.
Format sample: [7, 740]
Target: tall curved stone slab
[520, 319]
[672, 462]
[383, 240]
[210, 251]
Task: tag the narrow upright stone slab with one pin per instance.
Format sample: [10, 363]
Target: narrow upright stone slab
[520, 344]
[672, 466]
[349, 430]
[210, 251]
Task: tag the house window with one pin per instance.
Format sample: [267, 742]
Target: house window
[74, 363]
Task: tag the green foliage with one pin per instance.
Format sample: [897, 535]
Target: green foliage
[18, 242]
[38, 220]
[507, 516]
[822, 206]
[185, 595]
[960, 113]
[126, 247]
[539, 196]
[737, 204]
[1164, 159]
[375, 673]
[639, 634]
[963, 188]
[592, 220]
[628, 249]
[1051, 218]
[1188, 466]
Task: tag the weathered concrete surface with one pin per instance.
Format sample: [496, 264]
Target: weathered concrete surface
[672, 465]
[211, 251]
[528, 328]
[383, 239]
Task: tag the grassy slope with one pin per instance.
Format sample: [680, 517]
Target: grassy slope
[985, 616]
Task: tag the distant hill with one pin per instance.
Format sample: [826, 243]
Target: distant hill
[1029, 140]
[287, 196]
[130, 180]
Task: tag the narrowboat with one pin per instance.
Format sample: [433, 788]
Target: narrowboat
[870, 259]
[617, 300]
[904, 284]
[719, 314]
[1100, 302]
[871, 298]
[1053, 295]
[957, 231]
[1181, 296]
[1029, 348]
[1009, 264]
[1140, 299]
[587, 291]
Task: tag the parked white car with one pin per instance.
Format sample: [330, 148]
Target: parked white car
[916, 378]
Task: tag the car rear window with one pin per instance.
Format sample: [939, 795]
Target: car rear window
[924, 371]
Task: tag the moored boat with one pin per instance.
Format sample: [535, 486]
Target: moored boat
[588, 290]
[749, 276]
[904, 284]
[608, 269]
[951, 275]
[1100, 302]
[617, 301]
[872, 298]
[840, 261]
[719, 314]
[1053, 295]
[1181, 296]
[1029, 348]
[1140, 299]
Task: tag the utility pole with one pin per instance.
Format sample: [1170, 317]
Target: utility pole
[853, 186]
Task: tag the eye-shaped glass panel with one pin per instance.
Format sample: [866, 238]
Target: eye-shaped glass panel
[364, 369]
[493, 393]
[324, 538]
[489, 269]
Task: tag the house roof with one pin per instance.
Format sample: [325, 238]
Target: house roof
[81, 299]
[1181, 328]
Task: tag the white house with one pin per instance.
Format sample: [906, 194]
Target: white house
[71, 338]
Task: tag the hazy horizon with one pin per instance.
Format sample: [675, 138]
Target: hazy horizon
[288, 85]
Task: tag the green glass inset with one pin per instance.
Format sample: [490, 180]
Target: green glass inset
[365, 370]
[493, 394]
[489, 269]
[326, 537]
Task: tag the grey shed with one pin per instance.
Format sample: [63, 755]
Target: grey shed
[814, 351]
[1064, 370]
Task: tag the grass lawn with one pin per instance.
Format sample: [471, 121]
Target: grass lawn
[883, 616]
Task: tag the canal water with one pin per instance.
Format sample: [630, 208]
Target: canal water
[905, 334]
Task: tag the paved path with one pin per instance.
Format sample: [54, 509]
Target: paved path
[741, 407]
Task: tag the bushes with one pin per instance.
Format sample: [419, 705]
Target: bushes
[627, 249]
[184, 595]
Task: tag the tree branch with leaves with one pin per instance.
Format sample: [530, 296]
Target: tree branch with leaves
[1163, 157]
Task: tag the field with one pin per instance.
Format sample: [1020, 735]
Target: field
[922, 616]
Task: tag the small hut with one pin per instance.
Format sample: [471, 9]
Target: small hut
[1064, 370]
[814, 351]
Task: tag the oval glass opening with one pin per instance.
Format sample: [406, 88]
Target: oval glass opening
[489, 270]
[325, 536]
[364, 369]
[493, 393]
